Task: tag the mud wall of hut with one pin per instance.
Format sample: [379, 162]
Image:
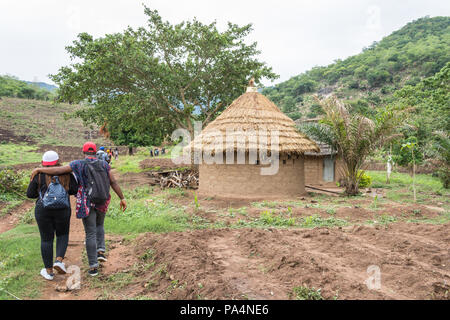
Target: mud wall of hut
[314, 171]
[246, 181]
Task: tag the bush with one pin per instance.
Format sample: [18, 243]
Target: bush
[305, 293]
[365, 181]
[11, 181]
[444, 176]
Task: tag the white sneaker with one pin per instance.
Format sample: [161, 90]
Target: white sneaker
[60, 267]
[46, 275]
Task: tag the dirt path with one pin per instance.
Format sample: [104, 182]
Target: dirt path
[54, 290]
[73, 257]
[11, 219]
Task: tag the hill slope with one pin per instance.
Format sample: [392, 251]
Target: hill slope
[43, 85]
[13, 87]
[418, 50]
[40, 122]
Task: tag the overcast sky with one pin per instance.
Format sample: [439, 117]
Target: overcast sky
[292, 35]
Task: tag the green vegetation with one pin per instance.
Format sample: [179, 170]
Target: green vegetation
[13, 87]
[429, 129]
[127, 163]
[425, 182]
[409, 68]
[365, 180]
[146, 214]
[315, 221]
[353, 136]
[367, 80]
[11, 154]
[148, 81]
[429, 189]
[20, 263]
[269, 218]
[13, 186]
[305, 293]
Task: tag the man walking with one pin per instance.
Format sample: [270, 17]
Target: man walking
[101, 154]
[94, 178]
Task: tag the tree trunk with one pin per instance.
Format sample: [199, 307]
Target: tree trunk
[351, 189]
[130, 151]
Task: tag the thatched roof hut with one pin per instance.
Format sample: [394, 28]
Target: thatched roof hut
[254, 126]
[252, 112]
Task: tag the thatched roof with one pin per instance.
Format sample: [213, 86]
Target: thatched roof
[249, 114]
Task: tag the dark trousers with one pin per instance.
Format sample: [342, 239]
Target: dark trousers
[51, 222]
[95, 235]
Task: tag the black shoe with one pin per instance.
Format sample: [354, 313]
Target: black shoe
[93, 272]
[101, 257]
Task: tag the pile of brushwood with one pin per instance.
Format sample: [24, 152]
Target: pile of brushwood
[187, 178]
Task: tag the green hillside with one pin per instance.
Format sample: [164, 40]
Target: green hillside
[417, 51]
[13, 87]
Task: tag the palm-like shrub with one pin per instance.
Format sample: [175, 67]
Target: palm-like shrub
[353, 136]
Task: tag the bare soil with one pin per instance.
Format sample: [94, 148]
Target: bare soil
[267, 264]
[12, 218]
[162, 163]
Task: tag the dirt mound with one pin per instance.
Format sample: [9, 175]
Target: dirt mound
[269, 263]
[162, 164]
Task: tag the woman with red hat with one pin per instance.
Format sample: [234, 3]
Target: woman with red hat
[52, 221]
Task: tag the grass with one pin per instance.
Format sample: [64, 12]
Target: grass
[10, 206]
[315, 221]
[429, 188]
[145, 213]
[127, 163]
[441, 219]
[305, 293]
[20, 262]
[269, 218]
[11, 154]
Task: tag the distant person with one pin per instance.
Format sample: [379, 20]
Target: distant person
[52, 221]
[151, 152]
[116, 153]
[101, 154]
[156, 152]
[109, 153]
[163, 150]
[94, 179]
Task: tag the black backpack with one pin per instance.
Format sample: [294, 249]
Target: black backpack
[97, 184]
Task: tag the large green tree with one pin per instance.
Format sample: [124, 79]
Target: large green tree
[179, 73]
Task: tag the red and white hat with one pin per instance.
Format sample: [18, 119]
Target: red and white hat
[50, 158]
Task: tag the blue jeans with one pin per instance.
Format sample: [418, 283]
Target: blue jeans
[95, 235]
